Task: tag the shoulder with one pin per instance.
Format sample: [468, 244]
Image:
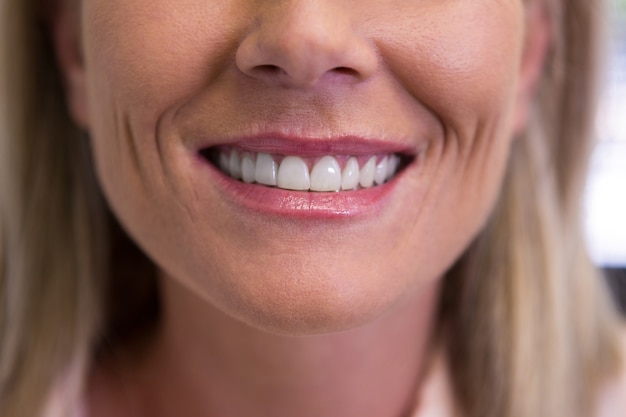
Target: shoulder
[612, 401]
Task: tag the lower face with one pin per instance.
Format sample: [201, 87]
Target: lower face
[189, 103]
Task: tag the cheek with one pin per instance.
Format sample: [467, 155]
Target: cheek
[143, 57]
[152, 54]
[460, 61]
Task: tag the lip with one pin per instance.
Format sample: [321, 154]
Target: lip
[310, 146]
[255, 198]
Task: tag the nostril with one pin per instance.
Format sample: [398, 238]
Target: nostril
[346, 71]
[269, 69]
[277, 72]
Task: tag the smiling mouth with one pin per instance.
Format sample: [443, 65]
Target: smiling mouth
[324, 173]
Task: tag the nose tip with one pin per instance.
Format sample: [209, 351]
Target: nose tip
[303, 44]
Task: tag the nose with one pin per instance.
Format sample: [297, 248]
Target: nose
[300, 43]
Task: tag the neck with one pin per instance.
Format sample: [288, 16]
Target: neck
[205, 363]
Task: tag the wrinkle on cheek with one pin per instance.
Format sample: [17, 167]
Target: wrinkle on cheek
[487, 159]
[125, 156]
[465, 169]
[191, 208]
[119, 158]
[434, 155]
[124, 134]
[478, 153]
[134, 66]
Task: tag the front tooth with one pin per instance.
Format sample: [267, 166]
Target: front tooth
[265, 172]
[367, 173]
[293, 174]
[326, 175]
[350, 175]
[234, 164]
[381, 171]
[248, 168]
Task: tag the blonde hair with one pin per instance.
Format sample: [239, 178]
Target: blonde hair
[527, 323]
[51, 258]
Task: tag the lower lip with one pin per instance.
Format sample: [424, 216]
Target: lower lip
[299, 204]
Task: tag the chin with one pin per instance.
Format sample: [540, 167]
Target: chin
[301, 300]
[306, 315]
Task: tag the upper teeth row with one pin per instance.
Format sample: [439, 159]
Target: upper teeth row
[293, 173]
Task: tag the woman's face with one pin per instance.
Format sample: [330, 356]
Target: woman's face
[169, 89]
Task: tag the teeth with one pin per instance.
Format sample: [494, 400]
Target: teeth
[224, 162]
[392, 166]
[265, 172]
[367, 173]
[234, 164]
[294, 173]
[350, 175]
[381, 172]
[248, 168]
[326, 175]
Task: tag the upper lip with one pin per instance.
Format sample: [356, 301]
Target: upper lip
[277, 143]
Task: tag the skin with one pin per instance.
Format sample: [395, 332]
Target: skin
[271, 315]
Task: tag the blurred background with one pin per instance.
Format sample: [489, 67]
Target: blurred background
[606, 191]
